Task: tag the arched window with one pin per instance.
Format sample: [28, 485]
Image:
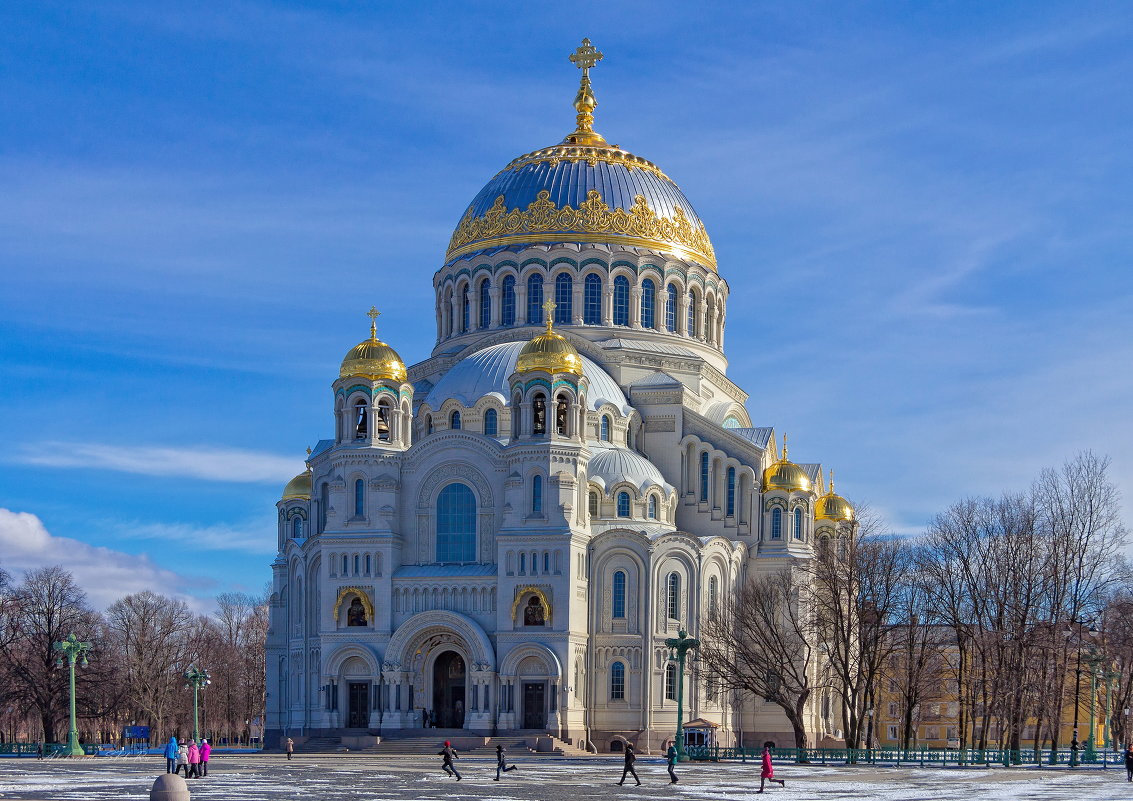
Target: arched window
[383, 420]
[428, 424]
[798, 524]
[704, 477]
[297, 527]
[621, 300]
[617, 681]
[564, 299]
[619, 610]
[623, 504]
[546, 561]
[604, 429]
[653, 507]
[539, 411]
[537, 495]
[324, 502]
[485, 303]
[357, 565]
[454, 420]
[456, 524]
[361, 423]
[562, 406]
[713, 595]
[776, 524]
[671, 308]
[731, 421]
[670, 682]
[534, 299]
[345, 565]
[592, 300]
[693, 314]
[523, 564]
[648, 303]
[359, 498]
[730, 501]
[673, 597]
[507, 303]
[592, 504]
[465, 310]
[491, 423]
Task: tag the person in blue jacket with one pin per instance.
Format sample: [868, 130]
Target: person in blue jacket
[171, 755]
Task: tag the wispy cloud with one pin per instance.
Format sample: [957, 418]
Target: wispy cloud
[254, 537]
[206, 463]
[104, 573]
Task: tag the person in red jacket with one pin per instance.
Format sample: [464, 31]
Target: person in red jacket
[768, 772]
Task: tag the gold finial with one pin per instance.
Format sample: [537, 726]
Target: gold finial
[831, 480]
[784, 447]
[550, 307]
[373, 314]
[585, 57]
[307, 461]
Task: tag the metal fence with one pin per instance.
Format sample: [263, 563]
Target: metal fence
[922, 756]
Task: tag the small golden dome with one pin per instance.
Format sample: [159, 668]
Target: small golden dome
[785, 475]
[298, 488]
[549, 351]
[373, 359]
[833, 507]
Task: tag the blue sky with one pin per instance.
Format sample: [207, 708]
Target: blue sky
[922, 209]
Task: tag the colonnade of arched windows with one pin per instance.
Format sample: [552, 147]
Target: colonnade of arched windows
[631, 302]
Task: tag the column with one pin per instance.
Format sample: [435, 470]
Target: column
[683, 299]
[496, 295]
[635, 306]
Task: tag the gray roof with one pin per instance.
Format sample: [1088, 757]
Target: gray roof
[757, 436]
[615, 464]
[657, 379]
[651, 347]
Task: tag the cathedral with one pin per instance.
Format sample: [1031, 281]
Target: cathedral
[502, 537]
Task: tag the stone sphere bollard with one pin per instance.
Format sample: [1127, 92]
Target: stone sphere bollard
[170, 787]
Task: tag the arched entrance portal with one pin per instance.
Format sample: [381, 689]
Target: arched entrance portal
[448, 690]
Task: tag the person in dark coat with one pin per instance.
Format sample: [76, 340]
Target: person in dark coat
[501, 762]
[1129, 762]
[671, 762]
[627, 768]
[171, 755]
[39, 753]
[767, 774]
[448, 754]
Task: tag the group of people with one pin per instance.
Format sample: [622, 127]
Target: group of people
[193, 757]
[448, 754]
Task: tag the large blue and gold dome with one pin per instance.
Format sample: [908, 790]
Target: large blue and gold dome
[583, 190]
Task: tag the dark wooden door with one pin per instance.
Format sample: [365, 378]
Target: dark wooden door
[358, 716]
[534, 705]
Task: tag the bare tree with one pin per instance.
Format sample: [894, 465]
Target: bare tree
[761, 642]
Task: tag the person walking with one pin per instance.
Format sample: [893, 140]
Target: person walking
[1129, 763]
[671, 762]
[501, 763]
[768, 772]
[448, 754]
[206, 749]
[171, 755]
[290, 748]
[627, 768]
[194, 755]
[182, 759]
[39, 750]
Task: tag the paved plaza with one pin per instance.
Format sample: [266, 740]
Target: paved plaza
[373, 778]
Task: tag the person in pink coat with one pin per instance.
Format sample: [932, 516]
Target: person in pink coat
[767, 774]
[194, 761]
[205, 750]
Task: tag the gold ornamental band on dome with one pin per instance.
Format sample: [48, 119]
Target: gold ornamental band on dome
[546, 221]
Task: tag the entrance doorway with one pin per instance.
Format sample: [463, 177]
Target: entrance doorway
[358, 706]
[534, 705]
[448, 690]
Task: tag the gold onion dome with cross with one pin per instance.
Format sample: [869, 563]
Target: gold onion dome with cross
[372, 358]
[785, 475]
[299, 488]
[583, 190]
[833, 507]
[549, 351]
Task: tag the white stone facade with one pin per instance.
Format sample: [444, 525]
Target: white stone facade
[540, 595]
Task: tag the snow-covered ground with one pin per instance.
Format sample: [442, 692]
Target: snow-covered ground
[373, 778]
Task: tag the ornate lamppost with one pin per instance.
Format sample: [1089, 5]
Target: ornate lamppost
[1094, 660]
[680, 646]
[198, 679]
[72, 648]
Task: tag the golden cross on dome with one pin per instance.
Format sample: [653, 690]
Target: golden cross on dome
[549, 307]
[832, 481]
[373, 314]
[585, 57]
[784, 446]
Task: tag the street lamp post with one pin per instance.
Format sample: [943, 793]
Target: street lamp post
[1110, 677]
[72, 649]
[680, 646]
[1094, 660]
[198, 679]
